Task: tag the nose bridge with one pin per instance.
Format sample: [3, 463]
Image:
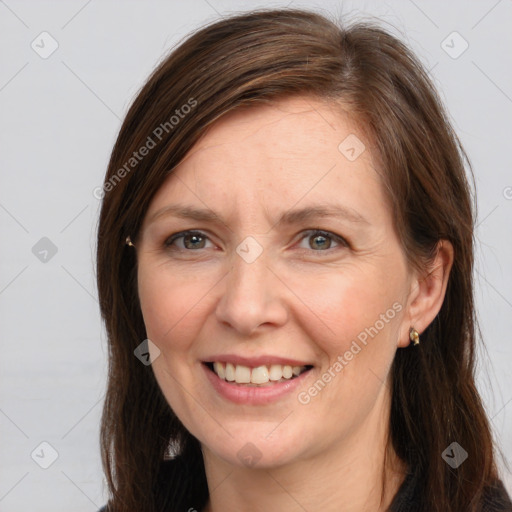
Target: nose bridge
[248, 279]
[250, 297]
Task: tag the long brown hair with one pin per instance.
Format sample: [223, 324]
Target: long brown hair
[251, 59]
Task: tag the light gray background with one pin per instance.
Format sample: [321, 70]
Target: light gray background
[59, 119]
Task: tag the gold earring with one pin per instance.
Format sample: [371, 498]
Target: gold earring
[129, 242]
[414, 336]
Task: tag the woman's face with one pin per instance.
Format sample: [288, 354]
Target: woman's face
[292, 267]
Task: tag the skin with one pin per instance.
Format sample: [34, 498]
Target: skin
[301, 298]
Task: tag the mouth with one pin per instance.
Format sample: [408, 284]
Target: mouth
[263, 375]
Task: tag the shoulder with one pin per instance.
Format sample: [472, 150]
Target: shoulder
[408, 497]
[190, 479]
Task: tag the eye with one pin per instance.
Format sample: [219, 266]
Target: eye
[321, 241]
[189, 240]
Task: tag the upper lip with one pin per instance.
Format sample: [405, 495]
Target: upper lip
[254, 362]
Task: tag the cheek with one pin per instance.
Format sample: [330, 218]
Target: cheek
[355, 328]
[351, 304]
[170, 307]
[173, 312]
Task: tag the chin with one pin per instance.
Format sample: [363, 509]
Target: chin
[254, 445]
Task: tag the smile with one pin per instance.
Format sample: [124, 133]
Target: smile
[256, 376]
[257, 383]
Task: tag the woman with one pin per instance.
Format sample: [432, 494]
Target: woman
[285, 272]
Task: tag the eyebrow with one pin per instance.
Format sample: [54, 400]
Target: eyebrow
[289, 217]
[313, 212]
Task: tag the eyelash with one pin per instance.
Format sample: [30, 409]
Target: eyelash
[308, 233]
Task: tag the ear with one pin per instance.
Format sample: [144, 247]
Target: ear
[426, 293]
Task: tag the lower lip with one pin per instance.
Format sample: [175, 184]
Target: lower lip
[253, 395]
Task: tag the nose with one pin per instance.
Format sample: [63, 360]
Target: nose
[252, 297]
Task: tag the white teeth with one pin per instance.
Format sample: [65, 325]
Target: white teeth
[242, 374]
[260, 375]
[276, 372]
[230, 372]
[219, 370]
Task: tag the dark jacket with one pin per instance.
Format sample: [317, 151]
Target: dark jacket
[408, 497]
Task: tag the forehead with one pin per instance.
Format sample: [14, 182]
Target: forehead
[299, 128]
[272, 157]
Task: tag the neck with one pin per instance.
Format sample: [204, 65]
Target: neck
[360, 473]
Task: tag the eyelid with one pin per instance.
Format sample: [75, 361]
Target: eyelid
[176, 236]
[317, 231]
[304, 234]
